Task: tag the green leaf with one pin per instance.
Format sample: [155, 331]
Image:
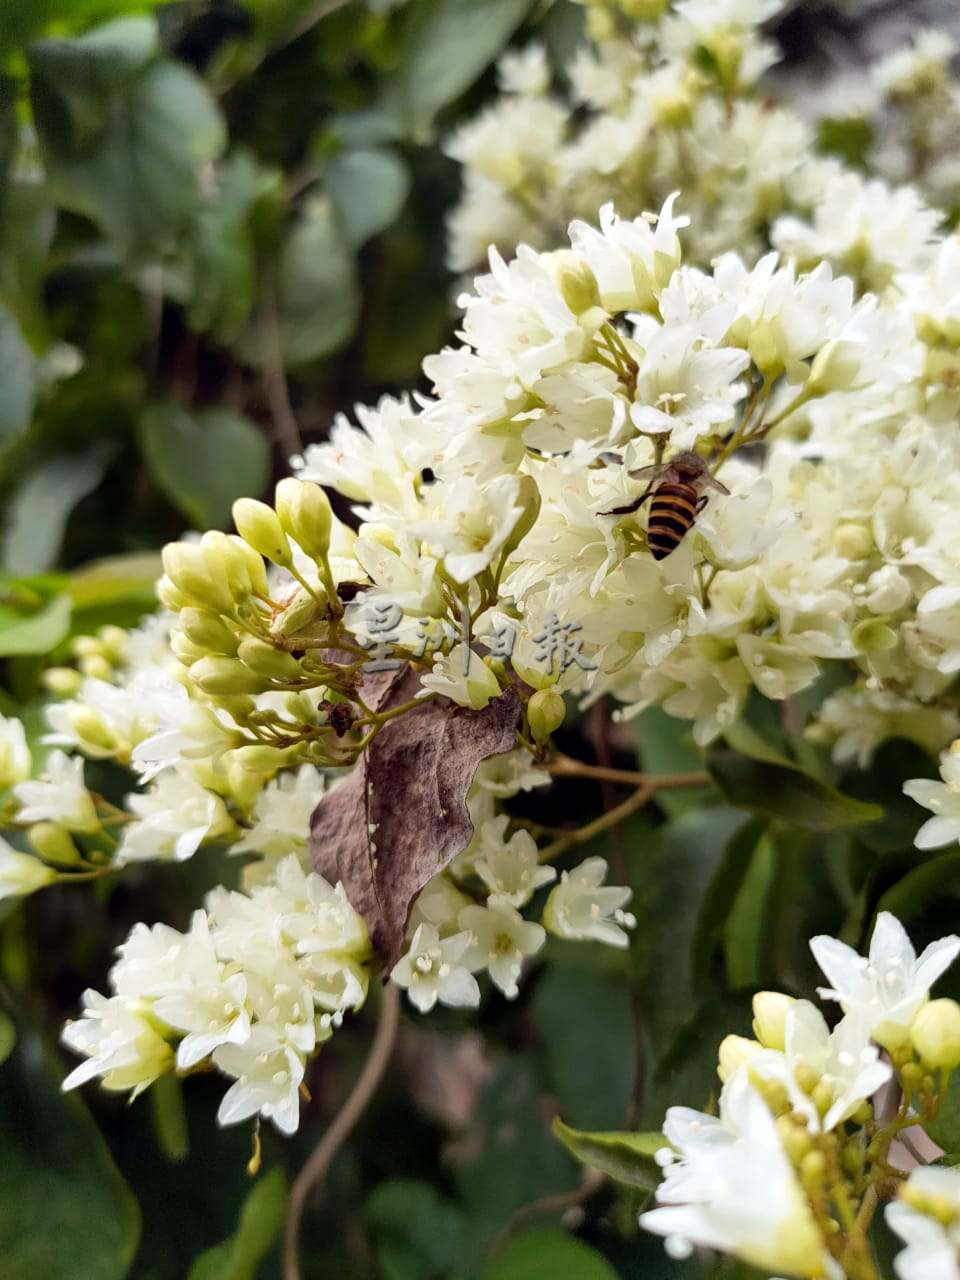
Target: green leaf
[665, 745]
[65, 1211]
[945, 1129]
[368, 189]
[39, 633]
[765, 784]
[573, 1007]
[204, 461]
[18, 378]
[721, 895]
[116, 579]
[124, 134]
[38, 512]
[447, 44]
[8, 1037]
[625, 1157]
[743, 935]
[21, 20]
[416, 1233]
[318, 299]
[934, 879]
[261, 1218]
[672, 873]
[27, 224]
[548, 1252]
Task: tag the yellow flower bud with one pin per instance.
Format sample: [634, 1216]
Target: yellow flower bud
[170, 596]
[259, 526]
[853, 541]
[304, 511]
[195, 573]
[62, 682]
[54, 844]
[576, 282]
[97, 666]
[935, 1034]
[226, 675]
[735, 1052]
[545, 713]
[91, 729]
[301, 611]
[872, 635]
[769, 1015]
[243, 566]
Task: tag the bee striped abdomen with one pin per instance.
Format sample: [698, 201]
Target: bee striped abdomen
[673, 509]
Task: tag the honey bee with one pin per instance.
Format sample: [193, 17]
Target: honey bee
[676, 489]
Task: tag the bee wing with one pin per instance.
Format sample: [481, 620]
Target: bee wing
[712, 482]
[653, 470]
[611, 459]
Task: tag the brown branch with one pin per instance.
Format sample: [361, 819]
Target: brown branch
[314, 1171]
[565, 767]
[285, 429]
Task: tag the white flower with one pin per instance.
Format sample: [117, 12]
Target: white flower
[121, 1043]
[581, 909]
[500, 939]
[433, 969]
[282, 813]
[58, 796]
[734, 1189]
[15, 761]
[208, 1003]
[472, 523]
[475, 689]
[842, 1061]
[186, 729]
[510, 868]
[927, 1219]
[943, 798]
[268, 1073]
[21, 873]
[888, 987]
[174, 817]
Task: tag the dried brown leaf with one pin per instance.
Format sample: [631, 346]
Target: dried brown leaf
[401, 816]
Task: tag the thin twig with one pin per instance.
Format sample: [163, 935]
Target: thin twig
[565, 767]
[285, 428]
[314, 1171]
[590, 1182]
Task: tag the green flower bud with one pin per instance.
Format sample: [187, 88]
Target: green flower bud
[183, 648]
[207, 631]
[259, 526]
[267, 661]
[576, 282]
[243, 566]
[305, 513]
[54, 844]
[196, 574]
[114, 640]
[91, 729]
[170, 596]
[935, 1034]
[299, 614]
[769, 1017]
[97, 667]
[853, 541]
[226, 675]
[545, 713]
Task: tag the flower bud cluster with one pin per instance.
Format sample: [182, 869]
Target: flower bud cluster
[778, 1177]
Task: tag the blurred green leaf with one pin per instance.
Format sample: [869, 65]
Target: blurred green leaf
[665, 745]
[260, 1220]
[123, 133]
[368, 189]
[548, 1252]
[116, 578]
[18, 378]
[8, 1037]
[766, 785]
[204, 461]
[721, 894]
[318, 300]
[625, 1157]
[573, 1008]
[935, 878]
[671, 874]
[65, 1211]
[447, 44]
[38, 513]
[37, 634]
[415, 1232]
[27, 222]
[515, 1158]
[21, 20]
[744, 931]
[945, 1129]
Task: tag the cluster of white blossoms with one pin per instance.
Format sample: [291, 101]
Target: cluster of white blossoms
[778, 1177]
[673, 96]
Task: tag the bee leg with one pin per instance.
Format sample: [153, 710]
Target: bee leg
[702, 502]
[631, 506]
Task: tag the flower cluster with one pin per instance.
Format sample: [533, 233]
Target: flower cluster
[778, 1176]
